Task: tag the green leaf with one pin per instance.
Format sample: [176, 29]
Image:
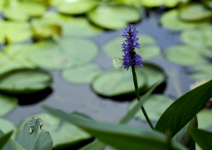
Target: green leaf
[203, 138]
[11, 144]
[7, 104]
[158, 101]
[122, 83]
[63, 134]
[7, 125]
[187, 55]
[118, 136]
[204, 118]
[95, 145]
[21, 81]
[76, 7]
[5, 138]
[171, 21]
[183, 135]
[83, 74]
[202, 72]
[114, 16]
[184, 108]
[32, 137]
[194, 12]
[147, 50]
[157, 3]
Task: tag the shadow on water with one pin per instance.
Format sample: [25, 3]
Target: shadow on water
[29, 99]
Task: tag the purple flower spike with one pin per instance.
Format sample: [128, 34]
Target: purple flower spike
[130, 57]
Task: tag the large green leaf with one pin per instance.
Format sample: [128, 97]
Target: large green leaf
[183, 135]
[114, 16]
[184, 108]
[63, 134]
[4, 138]
[118, 136]
[20, 81]
[203, 138]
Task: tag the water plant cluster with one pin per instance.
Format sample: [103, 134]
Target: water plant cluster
[41, 38]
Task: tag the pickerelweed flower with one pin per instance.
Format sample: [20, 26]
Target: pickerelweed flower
[130, 57]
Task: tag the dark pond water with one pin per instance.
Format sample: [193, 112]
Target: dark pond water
[70, 97]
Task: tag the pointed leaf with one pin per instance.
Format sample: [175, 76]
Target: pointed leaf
[5, 138]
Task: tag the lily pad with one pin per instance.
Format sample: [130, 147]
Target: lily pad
[114, 16]
[204, 118]
[7, 104]
[153, 74]
[83, 74]
[202, 72]
[76, 7]
[172, 21]
[160, 102]
[22, 81]
[66, 52]
[22, 11]
[194, 12]
[117, 82]
[6, 126]
[75, 26]
[114, 49]
[63, 134]
[187, 55]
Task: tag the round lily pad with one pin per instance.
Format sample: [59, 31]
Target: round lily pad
[207, 35]
[114, 47]
[187, 55]
[6, 126]
[7, 104]
[117, 82]
[76, 7]
[155, 106]
[202, 72]
[21, 81]
[66, 52]
[64, 134]
[172, 21]
[194, 12]
[153, 74]
[204, 118]
[82, 74]
[22, 11]
[167, 3]
[114, 16]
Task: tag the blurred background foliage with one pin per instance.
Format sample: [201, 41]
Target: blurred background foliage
[40, 37]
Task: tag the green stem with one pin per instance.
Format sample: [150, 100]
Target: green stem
[138, 97]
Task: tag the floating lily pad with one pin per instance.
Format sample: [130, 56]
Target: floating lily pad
[156, 3]
[76, 7]
[208, 3]
[65, 53]
[155, 106]
[114, 47]
[194, 12]
[202, 72]
[7, 104]
[22, 11]
[204, 118]
[114, 16]
[153, 74]
[6, 126]
[207, 35]
[63, 134]
[21, 81]
[134, 3]
[14, 32]
[75, 26]
[187, 55]
[83, 74]
[117, 82]
[172, 21]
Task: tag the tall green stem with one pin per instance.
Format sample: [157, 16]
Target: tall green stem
[138, 96]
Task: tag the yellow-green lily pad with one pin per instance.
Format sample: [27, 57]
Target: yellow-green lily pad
[204, 118]
[7, 125]
[7, 104]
